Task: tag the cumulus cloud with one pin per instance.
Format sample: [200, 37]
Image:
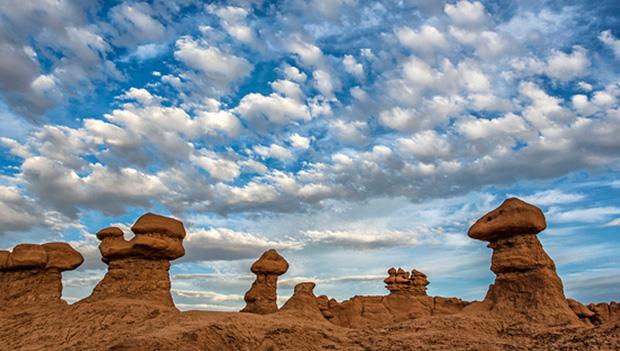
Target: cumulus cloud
[466, 13]
[610, 40]
[568, 66]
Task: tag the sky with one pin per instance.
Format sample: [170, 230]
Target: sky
[351, 136]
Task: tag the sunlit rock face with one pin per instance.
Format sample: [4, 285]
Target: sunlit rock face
[526, 283]
[138, 268]
[30, 274]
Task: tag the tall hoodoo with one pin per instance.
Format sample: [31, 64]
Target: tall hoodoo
[138, 268]
[526, 282]
[262, 296]
[31, 273]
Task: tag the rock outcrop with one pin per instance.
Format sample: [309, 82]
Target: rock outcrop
[526, 284]
[262, 296]
[400, 281]
[31, 273]
[304, 302]
[138, 268]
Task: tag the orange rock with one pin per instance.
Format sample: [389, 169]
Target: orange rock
[62, 256]
[304, 302]
[262, 296]
[26, 256]
[109, 232]
[153, 223]
[512, 217]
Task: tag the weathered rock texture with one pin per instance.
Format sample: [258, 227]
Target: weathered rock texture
[138, 268]
[399, 281]
[526, 283]
[262, 296]
[31, 273]
[304, 302]
[407, 300]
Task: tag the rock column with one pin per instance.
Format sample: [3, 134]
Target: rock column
[262, 296]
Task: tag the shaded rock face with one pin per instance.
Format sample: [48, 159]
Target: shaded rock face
[526, 282]
[262, 296]
[31, 274]
[596, 313]
[400, 281]
[138, 268]
[304, 302]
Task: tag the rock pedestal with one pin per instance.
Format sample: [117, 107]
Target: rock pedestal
[31, 274]
[526, 282]
[262, 296]
[138, 268]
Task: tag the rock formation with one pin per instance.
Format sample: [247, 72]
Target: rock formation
[526, 282]
[304, 302]
[31, 273]
[400, 281]
[138, 268]
[262, 296]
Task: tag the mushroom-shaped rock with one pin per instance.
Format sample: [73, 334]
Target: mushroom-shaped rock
[62, 256]
[154, 223]
[526, 282]
[31, 273]
[262, 296]
[512, 217]
[304, 302]
[138, 268]
[270, 262]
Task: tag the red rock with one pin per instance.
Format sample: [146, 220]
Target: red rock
[62, 256]
[262, 296]
[153, 223]
[304, 302]
[512, 217]
[26, 256]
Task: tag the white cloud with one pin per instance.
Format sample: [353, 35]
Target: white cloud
[584, 215]
[361, 240]
[353, 67]
[350, 132]
[426, 40]
[299, 142]
[465, 13]
[233, 21]
[225, 244]
[217, 65]
[427, 145]
[477, 128]
[218, 167]
[274, 151]
[568, 66]
[273, 108]
[611, 41]
[552, 197]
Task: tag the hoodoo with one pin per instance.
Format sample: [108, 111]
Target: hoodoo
[304, 302]
[138, 268]
[526, 282]
[262, 296]
[31, 273]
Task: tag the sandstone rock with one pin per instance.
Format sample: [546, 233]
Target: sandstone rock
[526, 284]
[324, 305]
[605, 312]
[262, 296]
[513, 217]
[26, 256]
[153, 223]
[31, 273]
[62, 256]
[400, 281]
[304, 302]
[138, 268]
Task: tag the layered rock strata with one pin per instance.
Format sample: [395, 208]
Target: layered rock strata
[31, 273]
[526, 283]
[262, 296]
[138, 268]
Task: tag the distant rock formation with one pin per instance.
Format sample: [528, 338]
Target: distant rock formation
[596, 313]
[407, 300]
[262, 296]
[526, 282]
[31, 273]
[138, 268]
[399, 281]
[304, 302]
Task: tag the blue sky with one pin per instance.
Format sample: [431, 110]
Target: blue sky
[352, 136]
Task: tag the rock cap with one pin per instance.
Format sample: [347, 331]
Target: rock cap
[270, 262]
[58, 256]
[109, 232]
[154, 223]
[512, 217]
